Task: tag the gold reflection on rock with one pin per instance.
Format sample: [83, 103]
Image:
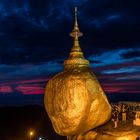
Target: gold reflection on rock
[124, 132]
[74, 99]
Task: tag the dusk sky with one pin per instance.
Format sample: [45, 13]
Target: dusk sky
[34, 42]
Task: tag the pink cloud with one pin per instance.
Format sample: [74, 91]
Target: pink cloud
[28, 81]
[5, 89]
[30, 89]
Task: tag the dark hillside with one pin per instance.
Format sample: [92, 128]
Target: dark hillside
[15, 123]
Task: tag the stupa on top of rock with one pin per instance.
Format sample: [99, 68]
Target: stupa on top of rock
[74, 99]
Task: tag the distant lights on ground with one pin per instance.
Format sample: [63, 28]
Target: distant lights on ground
[41, 138]
[31, 133]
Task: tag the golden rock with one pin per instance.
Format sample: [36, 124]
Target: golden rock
[126, 131]
[74, 99]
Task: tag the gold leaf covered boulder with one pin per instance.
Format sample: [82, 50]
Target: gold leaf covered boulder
[74, 99]
[124, 131]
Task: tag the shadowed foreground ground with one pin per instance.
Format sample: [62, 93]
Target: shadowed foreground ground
[15, 123]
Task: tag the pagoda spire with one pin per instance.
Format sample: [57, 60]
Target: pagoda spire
[76, 57]
[76, 34]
